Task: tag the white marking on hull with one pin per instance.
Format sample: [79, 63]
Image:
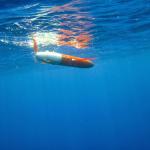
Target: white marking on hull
[49, 57]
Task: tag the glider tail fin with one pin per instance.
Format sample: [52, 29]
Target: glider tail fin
[35, 46]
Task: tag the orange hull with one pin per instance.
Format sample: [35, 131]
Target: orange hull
[69, 60]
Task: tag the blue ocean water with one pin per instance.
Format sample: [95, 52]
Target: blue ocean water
[49, 107]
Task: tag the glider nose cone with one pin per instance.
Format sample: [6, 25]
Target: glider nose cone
[89, 64]
[86, 64]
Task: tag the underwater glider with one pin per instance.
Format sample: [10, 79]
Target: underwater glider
[61, 59]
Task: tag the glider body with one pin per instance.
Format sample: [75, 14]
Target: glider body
[63, 59]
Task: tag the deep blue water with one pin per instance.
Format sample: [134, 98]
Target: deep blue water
[49, 107]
